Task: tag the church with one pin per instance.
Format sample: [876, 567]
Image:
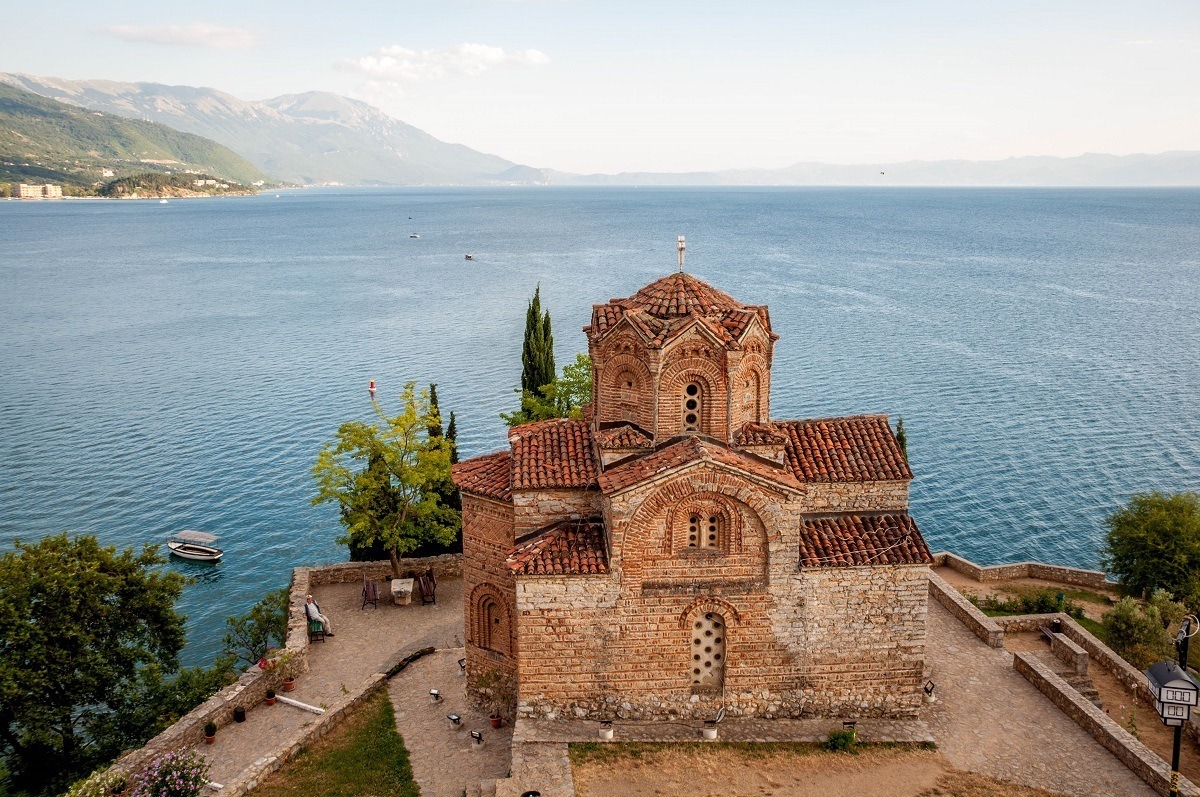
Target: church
[677, 552]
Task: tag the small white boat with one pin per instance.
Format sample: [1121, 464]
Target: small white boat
[162, 201]
[195, 545]
[414, 235]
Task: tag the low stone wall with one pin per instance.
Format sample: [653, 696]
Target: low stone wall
[445, 566]
[968, 613]
[304, 736]
[1135, 755]
[1066, 575]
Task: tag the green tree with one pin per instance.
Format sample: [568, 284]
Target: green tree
[537, 350]
[1143, 635]
[1153, 542]
[435, 427]
[452, 438]
[902, 437]
[396, 503]
[565, 397]
[248, 637]
[80, 625]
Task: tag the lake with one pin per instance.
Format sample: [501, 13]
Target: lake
[178, 366]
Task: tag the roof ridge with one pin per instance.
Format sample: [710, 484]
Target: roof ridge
[858, 416]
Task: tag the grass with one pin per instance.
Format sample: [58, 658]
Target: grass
[363, 757]
[607, 753]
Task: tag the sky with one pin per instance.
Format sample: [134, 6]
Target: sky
[609, 86]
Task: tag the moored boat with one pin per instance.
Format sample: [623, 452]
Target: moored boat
[195, 545]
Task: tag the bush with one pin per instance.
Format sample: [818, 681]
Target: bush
[1142, 635]
[842, 741]
[176, 774]
[102, 783]
[1030, 601]
[1153, 542]
[210, 728]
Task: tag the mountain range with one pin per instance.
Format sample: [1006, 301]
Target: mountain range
[46, 141]
[321, 138]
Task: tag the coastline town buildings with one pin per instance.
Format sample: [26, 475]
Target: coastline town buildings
[677, 552]
[48, 191]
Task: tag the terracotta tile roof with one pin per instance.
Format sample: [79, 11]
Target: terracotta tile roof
[554, 453]
[683, 451]
[665, 308]
[858, 448]
[850, 540]
[623, 437]
[569, 547]
[760, 434]
[487, 475]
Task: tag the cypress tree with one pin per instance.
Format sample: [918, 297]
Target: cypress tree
[452, 438]
[435, 429]
[537, 351]
[902, 437]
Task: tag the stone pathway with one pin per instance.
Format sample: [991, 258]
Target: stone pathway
[446, 761]
[366, 641]
[989, 719]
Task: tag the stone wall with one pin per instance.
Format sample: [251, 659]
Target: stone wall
[1135, 755]
[445, 566]
[488, 535]
[967, 613]
[536, 509]
[1066, 575]
[856, 497]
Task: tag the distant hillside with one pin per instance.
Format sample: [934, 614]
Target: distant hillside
[45, 140]
[314, 137]
[1166, 169]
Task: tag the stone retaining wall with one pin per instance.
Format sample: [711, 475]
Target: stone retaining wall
[967, 613]
[304, 736]
[1135, 755]
[1066, 575]
[251, 687]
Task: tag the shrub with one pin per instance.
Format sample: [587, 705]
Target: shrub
[1030, 601]
[842, 741]
[176, 774]
[210, 728]
[1138, 633]
[102, 783]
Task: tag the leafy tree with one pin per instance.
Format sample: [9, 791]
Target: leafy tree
[396, 503]
[248, 637]
[80, 624]
[1153, 542]
[537, 351]
[563, 398]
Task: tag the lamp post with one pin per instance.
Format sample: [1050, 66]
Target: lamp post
[1175, 693]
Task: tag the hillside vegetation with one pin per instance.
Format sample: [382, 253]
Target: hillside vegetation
[44, 140]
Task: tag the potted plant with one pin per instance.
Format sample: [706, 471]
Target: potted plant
[289, 683]
[210, 732]
[270, 697]
[239, 714]
[497, 692]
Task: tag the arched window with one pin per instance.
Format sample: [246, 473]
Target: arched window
[708, 650]
[488, 620]
[751, 397]
[693, 406]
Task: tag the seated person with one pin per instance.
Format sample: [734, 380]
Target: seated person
[313, 613]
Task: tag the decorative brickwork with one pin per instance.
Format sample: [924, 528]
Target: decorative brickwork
[676, 553]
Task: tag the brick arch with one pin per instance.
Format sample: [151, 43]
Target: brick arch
[612, 405]
[499, 633]
[709, 375]
[708, 603]
[657, 506]
[706, 502]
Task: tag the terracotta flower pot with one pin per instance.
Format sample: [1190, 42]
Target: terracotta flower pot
[209, 739]
[270, 701]
[496, 721]
[289, 684]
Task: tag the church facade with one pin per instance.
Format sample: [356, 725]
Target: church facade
[677, 552]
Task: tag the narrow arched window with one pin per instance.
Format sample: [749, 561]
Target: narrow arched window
[693, 400]
[708, 650]
[489, 620]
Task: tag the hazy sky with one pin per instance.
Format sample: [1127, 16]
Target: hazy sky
[591, 85]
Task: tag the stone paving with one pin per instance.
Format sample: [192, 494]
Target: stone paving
[990, 720]
[732, 729]
[446, 761]
[366, 641]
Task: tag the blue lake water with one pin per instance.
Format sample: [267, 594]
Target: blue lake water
[178, 366]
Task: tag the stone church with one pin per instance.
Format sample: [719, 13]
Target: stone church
[677, 552]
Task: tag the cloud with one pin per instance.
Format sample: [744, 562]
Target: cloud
[194, 34]
[398, 64]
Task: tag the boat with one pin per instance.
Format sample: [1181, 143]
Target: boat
[162, 201]
[195, 545]
[414, 235]
[470, 257]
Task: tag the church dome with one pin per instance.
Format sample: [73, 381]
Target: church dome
[680, 294]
